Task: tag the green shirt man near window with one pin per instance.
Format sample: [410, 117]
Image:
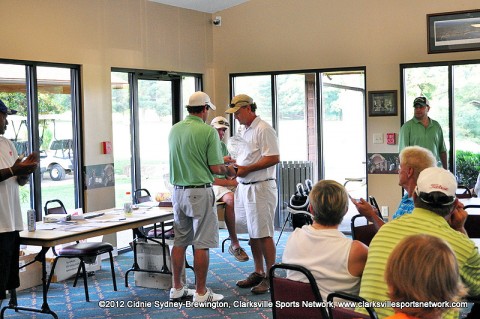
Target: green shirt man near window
[422, 131]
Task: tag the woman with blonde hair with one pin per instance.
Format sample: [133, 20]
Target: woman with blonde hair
[423, 278]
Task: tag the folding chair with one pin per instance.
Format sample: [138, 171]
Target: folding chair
[336, 312]
[85, 252]
[364, 232]
[295, 293]
[142, 195]
[463, 192]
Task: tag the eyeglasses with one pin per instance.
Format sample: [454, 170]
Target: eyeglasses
[222, 122]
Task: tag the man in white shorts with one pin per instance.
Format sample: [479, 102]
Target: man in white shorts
[224, 189]
[256, 194]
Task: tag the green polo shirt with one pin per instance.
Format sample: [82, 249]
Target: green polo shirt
[414, 133]
[373, 286]
[194, 146]
[224, 153]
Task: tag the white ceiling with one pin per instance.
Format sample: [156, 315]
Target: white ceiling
[208, 6]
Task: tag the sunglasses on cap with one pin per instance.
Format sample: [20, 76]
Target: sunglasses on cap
[234, 104]
[436, 198]
[222, 122]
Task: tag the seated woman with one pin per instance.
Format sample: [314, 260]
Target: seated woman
[335, 261]
[422, 268]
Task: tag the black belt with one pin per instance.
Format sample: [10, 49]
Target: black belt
[249, 183]
[193, 186]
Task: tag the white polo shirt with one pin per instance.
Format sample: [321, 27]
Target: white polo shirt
[10, 210]
[260, 140]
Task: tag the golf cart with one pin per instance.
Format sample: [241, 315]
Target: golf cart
[57, 160]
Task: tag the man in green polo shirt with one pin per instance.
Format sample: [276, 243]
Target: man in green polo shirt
[421, 130]
[195, 155]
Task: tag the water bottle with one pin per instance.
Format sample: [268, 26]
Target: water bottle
[31, 220]
[127, 205]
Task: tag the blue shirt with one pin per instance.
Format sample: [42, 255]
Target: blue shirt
[406, 206]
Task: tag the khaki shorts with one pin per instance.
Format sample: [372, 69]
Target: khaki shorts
[195, 218]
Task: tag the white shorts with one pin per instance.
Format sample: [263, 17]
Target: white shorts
[222, 190]
[255, 206]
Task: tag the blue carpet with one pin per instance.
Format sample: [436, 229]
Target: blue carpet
[140, 302]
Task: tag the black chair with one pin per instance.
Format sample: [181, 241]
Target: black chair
[364, 231]
[295, 293]
[472, 223]
[463, 192]
[142, 195]
[86, 252]
[336, 312]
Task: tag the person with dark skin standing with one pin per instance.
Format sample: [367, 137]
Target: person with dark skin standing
[14, 172]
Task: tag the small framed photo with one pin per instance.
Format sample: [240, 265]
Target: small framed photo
[453, 31]
[382, 103]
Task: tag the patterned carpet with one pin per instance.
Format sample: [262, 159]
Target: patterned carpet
[140, 302]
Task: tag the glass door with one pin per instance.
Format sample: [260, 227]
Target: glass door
[57, 153]
[343, 133]
[43, 97]
[155, 121]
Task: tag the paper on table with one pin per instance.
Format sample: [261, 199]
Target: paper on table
[50, 226]
[77, 228]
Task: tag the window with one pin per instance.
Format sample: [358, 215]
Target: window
[452, 89]
[319, 117]
[47, 101]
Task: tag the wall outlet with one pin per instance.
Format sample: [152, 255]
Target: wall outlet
[377, 138]
[385, 211]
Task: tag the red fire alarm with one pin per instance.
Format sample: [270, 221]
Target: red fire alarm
[107, 147]
[391, 139]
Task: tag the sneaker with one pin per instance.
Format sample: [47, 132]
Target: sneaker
[252, 280]
[239, 253]
[262, 287]
[208, 296]
[181, 294]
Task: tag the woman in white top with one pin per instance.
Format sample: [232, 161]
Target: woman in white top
[336, 262]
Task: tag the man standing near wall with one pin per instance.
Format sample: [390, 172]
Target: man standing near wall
[421, 130]
[256, 194]
[195, 155]
[13, 172]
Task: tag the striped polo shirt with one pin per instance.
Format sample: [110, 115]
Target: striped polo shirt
[373, 286]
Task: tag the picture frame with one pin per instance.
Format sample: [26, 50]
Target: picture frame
[382, 103]
[453, 31]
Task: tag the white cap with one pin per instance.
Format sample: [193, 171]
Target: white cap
[220, 122]
[200, 98]
[436, 179]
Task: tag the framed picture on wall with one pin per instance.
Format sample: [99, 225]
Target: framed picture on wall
[382, 103]
[453, 31]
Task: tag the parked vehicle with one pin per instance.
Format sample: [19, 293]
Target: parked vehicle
[57, 160]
